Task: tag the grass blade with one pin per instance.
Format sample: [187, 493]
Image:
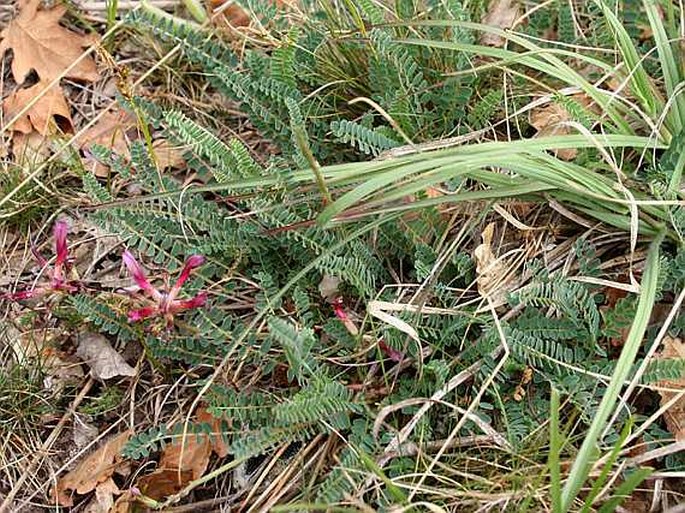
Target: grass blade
[625, 490]
[555, 444]
[583, 463]
[604, 475]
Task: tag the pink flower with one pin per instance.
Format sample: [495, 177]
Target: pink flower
[58, 280]
[338, 305]
[391, 352]
[166, 303]
[339, 309]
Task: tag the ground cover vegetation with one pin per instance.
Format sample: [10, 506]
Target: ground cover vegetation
[356, 255]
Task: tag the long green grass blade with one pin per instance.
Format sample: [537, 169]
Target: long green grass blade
[639, 81]
[669, 67]
[586, 456]
[555, 443]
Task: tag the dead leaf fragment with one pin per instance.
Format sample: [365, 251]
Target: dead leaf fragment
[124, 503]
[548, 121]
[489, 270]
[329, 287]
[185, 460]
[110, 132]
[219, 445]
[551, 120]
[164, 482]
[40, 43]
[96, 468]
[115, 130]
[673, 348]
[501, 14]
[104, 497]
[59, 369]
[104, 361]
[190, 453]
[47, 113]
[181, 462]
[166, 155]
[83, 432]
[228, 14]
[30, 150]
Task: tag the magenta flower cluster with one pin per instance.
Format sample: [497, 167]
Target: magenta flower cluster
[58, 280]
[163, 303]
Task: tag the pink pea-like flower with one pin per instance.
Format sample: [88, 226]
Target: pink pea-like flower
[339, 309]
[391, 352]
[165, 303]
[57, 275]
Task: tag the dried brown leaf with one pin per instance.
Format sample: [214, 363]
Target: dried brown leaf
[124, 503]
[190, 453]
[673, 348]
[110, 131]
[501, 14]
[59, 368]
[164, 482]
[185, 460]
[489, 270]
[104, 361]
[166, 155]
[30, 150]
[49, 111]
[114, 131]
[549, 120]
[104, 497]
[231, 14]
[219, 445]
[94, 469]
[40, 43]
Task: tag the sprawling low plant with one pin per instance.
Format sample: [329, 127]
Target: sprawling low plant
[346, 302]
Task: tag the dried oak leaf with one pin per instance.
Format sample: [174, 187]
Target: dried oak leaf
[184, 460]
[50, 107]
[96, 468]
[40, 43]
[501, 14]
[673, 348]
